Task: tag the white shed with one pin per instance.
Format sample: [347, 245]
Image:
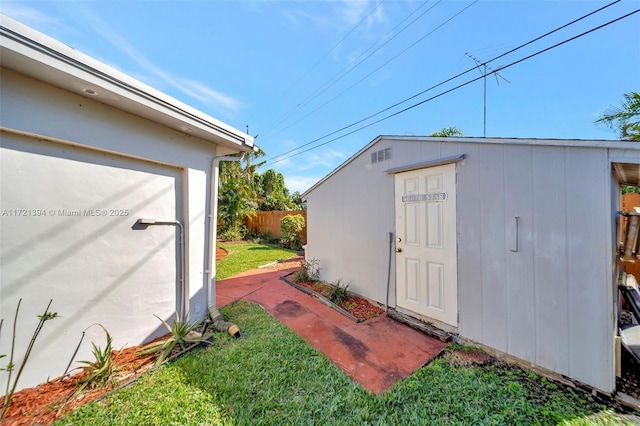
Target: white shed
[506, 243]
[86, 151]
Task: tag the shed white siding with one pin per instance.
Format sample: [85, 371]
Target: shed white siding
[348, 220]
[550, 302]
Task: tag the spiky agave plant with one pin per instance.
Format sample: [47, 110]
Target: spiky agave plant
[180, 334]
[99, 371]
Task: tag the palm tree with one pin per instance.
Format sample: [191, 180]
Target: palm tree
[237, 197]
[624, 118]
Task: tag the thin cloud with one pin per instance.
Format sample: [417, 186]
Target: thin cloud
[352, 12]
[300, 19]
[205, 94]
[344, 14]
[328, 159]
[191, 88]
[283, 146]
[27, 15]
[300, 183]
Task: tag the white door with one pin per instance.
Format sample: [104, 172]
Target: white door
[426, 254]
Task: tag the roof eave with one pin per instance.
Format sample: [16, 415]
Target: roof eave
[34, 54]
[588, 143]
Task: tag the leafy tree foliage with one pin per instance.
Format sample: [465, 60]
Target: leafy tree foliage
[243, 191]
[237, 197]
[273, 194]
[624, 118]
[447, 132]
[297, 202]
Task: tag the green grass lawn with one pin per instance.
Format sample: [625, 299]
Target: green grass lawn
[243, 257]
[271, 376]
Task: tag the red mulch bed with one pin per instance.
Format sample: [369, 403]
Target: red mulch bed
[357, 306]
[47, 402]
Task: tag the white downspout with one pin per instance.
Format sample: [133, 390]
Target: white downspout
[213, 215]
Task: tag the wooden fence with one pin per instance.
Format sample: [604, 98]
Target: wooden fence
[263, 222]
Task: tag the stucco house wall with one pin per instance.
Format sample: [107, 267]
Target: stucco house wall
[551, 303]
[77, 171]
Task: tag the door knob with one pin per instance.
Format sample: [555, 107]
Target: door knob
[398, 250]
[399, 239]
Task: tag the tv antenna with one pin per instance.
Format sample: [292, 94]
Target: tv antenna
[484, 78]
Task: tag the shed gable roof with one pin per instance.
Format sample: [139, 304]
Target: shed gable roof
[604, 144]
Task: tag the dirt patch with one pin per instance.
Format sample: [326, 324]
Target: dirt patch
[280, 265]
[391, 377]
[467, 358]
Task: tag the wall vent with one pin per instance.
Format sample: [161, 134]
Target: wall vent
[378, 156]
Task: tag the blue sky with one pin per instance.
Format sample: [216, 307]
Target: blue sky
[295, 71]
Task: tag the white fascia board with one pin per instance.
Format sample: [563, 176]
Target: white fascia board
[44, 58]
[583, 143]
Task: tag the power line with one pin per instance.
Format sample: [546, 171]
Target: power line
[445, 81]
[449, 79]
[292, 111]
[350, 67]
[458, 86]
[358, 61]
[336, 45]
[381, 66]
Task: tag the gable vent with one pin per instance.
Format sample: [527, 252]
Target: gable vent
[378, 156]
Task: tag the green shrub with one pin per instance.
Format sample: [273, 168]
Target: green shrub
[234, 234]
[310, 271]
[337, 292]
[268, 238]
[292, 227]
[252, 237]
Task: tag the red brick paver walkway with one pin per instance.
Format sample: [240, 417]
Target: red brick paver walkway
[376, 353]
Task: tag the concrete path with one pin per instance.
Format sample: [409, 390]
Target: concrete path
[376, 353]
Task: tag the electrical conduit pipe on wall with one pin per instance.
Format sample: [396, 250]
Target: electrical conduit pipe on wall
[218, 322]
[390, 238]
